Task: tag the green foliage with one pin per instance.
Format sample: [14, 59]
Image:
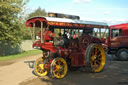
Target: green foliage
[38, 12]
[27, 33]
[10, 22]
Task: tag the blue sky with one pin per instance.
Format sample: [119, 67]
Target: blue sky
[110, 11]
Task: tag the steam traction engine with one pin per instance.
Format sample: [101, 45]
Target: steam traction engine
[64, 51]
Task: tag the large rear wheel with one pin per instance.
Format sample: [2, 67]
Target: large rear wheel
[59, 68]
[39, 67]
[95, 57]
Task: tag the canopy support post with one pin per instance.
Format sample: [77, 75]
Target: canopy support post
[104, 33]
[42, 41]
[33, 38]
[78, 31]
[100, 32]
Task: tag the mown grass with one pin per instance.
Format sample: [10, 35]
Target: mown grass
[20, 55]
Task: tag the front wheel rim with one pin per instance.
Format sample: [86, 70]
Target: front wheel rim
[39, 67]
[59, 68]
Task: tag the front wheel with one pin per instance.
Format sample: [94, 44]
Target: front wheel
[40, 67]
[59, 68]
[95, 57]
[122, 54]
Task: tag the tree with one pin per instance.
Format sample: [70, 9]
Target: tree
[10, 21]
[38, 12]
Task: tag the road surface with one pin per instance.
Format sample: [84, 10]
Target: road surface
[16, 71]
[20, 72]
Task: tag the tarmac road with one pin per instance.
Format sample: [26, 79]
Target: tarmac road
[114, 73]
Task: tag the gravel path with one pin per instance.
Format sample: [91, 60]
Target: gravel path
[15, 72]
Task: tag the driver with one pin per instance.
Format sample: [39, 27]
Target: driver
[47, 35]
[66, 40]
[75, 36]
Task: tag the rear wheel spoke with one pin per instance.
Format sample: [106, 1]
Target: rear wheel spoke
[97, 57]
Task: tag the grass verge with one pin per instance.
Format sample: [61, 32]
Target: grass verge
[20, 55]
